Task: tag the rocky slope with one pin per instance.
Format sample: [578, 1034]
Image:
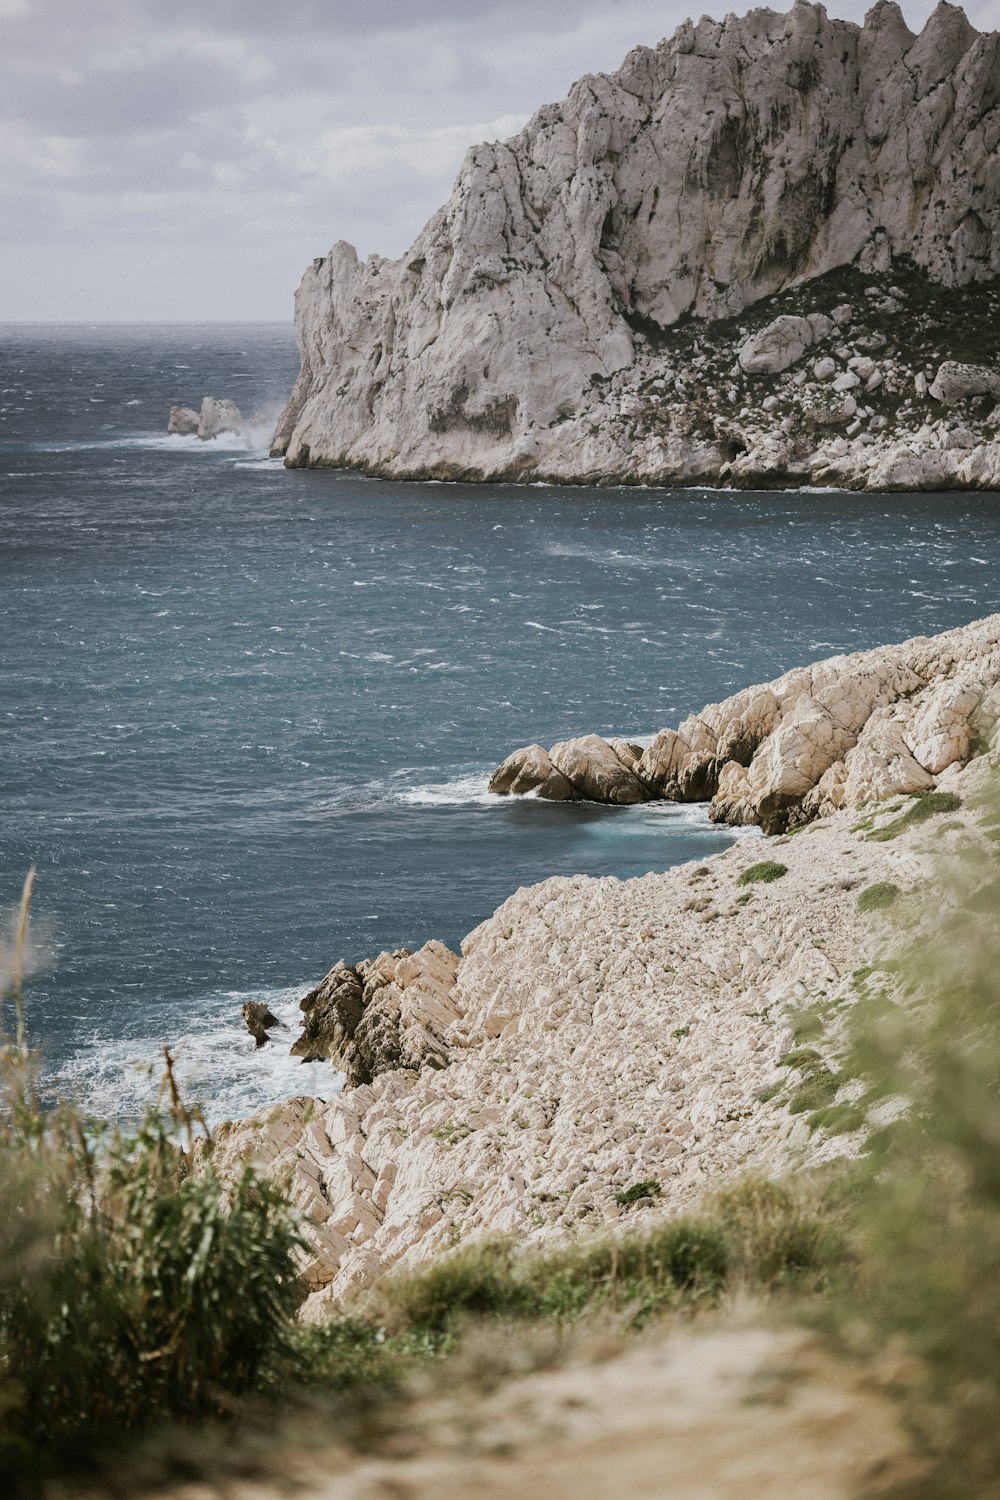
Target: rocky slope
[721, 262]
[848, 730]
[614, 1046]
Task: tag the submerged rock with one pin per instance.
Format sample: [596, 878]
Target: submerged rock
[846, 730]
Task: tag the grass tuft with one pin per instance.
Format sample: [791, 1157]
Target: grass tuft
[763, 873]
[923, 805]
[638, 1191]
[878, 896]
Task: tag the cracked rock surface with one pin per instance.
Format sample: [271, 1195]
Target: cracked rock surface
[757, 253]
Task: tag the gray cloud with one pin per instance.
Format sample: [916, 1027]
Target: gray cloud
[188, 160]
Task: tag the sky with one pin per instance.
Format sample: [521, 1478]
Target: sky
[186, 161]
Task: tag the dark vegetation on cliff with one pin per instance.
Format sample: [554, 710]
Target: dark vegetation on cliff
[144, 1303]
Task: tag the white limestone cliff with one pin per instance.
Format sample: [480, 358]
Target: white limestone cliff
[521, 334]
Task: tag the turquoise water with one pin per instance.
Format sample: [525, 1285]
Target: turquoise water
[248, 715]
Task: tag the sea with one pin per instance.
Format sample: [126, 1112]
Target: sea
[248, 714]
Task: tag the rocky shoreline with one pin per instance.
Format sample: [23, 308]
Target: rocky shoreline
[842, 732]
[765, 253]
[602, 1048]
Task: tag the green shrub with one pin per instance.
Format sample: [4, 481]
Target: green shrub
[640, 1190]
[923, 805]
[763, 873]
[136, 1288]
[818, 1090]
[878, 896]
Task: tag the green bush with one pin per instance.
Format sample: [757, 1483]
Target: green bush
[136, 1289]
[923, 805]
[763, 873]
[639, 1190]
[878, 896]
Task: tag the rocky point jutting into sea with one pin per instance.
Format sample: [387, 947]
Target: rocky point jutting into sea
[601, 1047]
[764, 252]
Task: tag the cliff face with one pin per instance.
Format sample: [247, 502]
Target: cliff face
[721, 167]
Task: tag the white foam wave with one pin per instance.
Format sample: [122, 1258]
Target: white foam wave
[250, 440]
[462, 791]
[218, 1065]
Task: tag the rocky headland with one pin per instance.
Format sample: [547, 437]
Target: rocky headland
[602, 1048]
[764, 252]
[844, 731]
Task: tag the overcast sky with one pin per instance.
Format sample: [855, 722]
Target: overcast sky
[186, 160]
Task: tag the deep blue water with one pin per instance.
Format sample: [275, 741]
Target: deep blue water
[247, 715]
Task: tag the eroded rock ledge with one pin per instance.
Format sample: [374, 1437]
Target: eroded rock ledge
[763, 252]
[850, 729]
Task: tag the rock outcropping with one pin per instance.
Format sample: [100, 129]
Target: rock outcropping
[383, 1013]
[612, 294]
[598, 1035]
[847, 730]
[214, 419]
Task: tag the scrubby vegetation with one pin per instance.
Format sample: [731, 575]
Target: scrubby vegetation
[639, 1191]
[763, 873]
[134, 1288]
[878, 896]
[923, 805]
[137, 1290]
[757, 1234]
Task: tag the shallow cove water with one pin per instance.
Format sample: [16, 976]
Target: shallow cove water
[248, 714]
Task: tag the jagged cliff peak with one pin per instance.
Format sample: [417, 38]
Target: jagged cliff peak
[730, 162]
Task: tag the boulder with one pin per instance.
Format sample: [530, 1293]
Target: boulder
[390, 1012]
[530, 769]
[777, 347]
[218, 417]
[183, 421]
[881, 764]
[595, 772]
[331, 1014]
[955, 382]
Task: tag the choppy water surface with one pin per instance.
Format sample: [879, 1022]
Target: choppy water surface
[248, 715]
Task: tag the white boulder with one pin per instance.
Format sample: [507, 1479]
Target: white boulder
[218, 417]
